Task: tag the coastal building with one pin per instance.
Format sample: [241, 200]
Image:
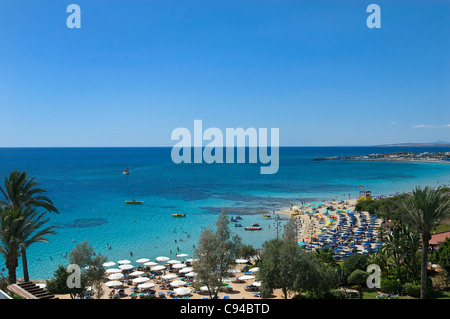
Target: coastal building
[438, 238]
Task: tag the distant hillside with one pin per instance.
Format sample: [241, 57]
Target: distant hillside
[431, 144]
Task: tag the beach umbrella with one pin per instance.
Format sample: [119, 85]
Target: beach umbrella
[150, 263]
[185, 270]
[156, 268]
[173, 261]
[162, 258]
[113, 283]
[146, 285]
[142, 260]
[112, 270]
[137, 273]
[179, 266]
[169, 276]
[254, 269]
[256, 284]
[178, 283]
[140, 280]
[191, 260]
[115, 276]
[191, 274]
[181, 291]
[246, 277]
[109, 264]
[241, 261]
[124, 262]
[126, 267]
[182, 255]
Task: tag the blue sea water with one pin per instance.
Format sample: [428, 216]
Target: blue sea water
[89, 190]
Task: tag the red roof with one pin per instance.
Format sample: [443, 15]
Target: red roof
[439, 238]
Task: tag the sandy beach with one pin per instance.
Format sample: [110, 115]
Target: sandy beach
[312, 219]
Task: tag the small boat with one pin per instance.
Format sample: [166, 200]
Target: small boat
[252, 228]
[266, 215]
[178, 215]
[132, 202]
[126, 171]
[237, 225]
[255, 225]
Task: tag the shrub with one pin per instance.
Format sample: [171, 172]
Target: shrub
[336, 294]
[412, 289]
[390, 286]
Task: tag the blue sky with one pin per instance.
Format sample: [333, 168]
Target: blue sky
[136, 70]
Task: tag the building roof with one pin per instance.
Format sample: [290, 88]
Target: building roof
[439, 238]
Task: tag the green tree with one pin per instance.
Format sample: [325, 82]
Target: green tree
[216, 253]
[247, 251]
[442, 255]
[58, 285]
[19, 192]
[23, 195]
[358, 277]
[91, 265]
[313, 275]
[326, 256]
[11, 225]
[32, 232]
[426, 208]
[278, 266]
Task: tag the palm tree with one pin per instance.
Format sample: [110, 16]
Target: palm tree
[20, 191]
[426, 208]
[31, 233]
[11, 224]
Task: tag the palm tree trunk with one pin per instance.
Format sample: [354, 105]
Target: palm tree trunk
[423, 271]
[12, 265]
[26, 276]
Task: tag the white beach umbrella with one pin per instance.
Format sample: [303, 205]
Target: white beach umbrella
[179, 266]
[137, 273]
[256, 284]
[112, 270]
[150, 263]
[140, 280]
[162, 258]
[109, 264]
[173, 261]
[146, 285]
[233, 271]
[246, 277]
[169, 276]
[156, 268]
[124, 262]
[182, 291]
[191, 260]
[178, 283]
[185, 270]
[191, 274]
[254, 269]
[126, 267]
[142, 260]
[182, 255]
[115, 276]
[113, 283]
[241, 261]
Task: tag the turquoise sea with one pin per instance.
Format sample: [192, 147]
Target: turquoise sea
[89, 189]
